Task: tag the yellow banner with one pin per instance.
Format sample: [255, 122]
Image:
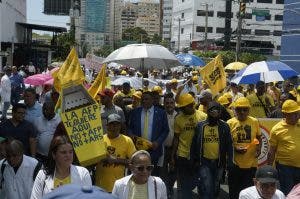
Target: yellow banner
[99, 83]
[85, 131]
[266, 124]
[214, 75]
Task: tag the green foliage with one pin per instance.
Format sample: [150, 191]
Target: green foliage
[135, 34]
[229, 56]
[104, 51]
[156, 39]
[65, 42]
[165, 43]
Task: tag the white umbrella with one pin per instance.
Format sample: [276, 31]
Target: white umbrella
[135, 82]
[143, 57]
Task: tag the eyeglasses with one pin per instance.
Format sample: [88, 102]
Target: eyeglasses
[142, 168]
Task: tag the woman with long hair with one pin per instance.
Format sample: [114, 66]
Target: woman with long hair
[59, 169]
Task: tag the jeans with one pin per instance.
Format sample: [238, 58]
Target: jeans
[5, 107]
[210, 178]
[239, 179]
[288, 177]
[185, 174]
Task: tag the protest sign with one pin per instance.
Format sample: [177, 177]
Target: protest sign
[84, 128]
[266, 125]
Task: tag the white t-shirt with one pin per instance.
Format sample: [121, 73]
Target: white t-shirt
[252, 193]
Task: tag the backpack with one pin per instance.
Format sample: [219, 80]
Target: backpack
[35, 172]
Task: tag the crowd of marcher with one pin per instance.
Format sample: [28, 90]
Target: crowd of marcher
[195, 138]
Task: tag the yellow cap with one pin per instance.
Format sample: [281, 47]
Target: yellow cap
[290, 106]
[194, 72]
[173, 81]
[195, 78]
[293, 93]
[223, 100]
[227, 95]
[185, 99]
[123, 72]
[242, 102]
[137, 94]
[298, 88]
[157, 89]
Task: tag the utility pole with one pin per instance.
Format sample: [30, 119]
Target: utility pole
[242, 9]
[227, 32]
[206, 24]
[179, 21]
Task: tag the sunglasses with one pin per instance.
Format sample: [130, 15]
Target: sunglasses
[142, 168]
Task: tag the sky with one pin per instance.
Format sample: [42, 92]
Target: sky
[35, 15]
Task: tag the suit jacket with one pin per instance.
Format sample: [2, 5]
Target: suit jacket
[121, 188]
[160, 128]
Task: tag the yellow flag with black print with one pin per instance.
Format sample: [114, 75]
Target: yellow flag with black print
[99, 83]
[214, 75]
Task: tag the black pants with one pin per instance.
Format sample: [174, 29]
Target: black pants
[239, 179]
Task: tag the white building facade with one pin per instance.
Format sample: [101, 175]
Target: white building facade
[262, 23]
[167, 6]
[11, 12]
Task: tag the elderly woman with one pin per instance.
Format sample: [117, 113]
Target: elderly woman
[140, 185]
[59, 169]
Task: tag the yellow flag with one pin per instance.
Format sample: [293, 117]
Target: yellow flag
[214, 75]
[99, 83]
[71, 71]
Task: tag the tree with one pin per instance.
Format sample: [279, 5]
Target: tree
[65, 41]
[165, 43]
[104, 51]
[135, 34]
[156, 39]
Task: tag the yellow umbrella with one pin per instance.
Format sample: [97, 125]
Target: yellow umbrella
[235, 66]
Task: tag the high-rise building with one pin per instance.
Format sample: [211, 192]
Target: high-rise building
[100, 23]
[167, 6]
[129, 15]
[261, 25]
[57, 7]
[290, 39]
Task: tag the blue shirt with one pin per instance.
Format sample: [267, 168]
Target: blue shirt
[17, 83]
[150, 121]
[32, 113]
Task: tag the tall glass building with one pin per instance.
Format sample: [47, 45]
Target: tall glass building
[96, 15]
[290, 39]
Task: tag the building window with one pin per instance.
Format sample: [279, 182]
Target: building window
[277, 32]
[182, 30]
[220, 30]
[278, 17]
[268, 17]
[279, 1]
[203, 13]
[246, 31]
[182, 15]
[262, 32]
[202, 29]
[248, 16]
[223, 14]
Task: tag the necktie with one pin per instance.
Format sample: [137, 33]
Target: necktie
[146, 121]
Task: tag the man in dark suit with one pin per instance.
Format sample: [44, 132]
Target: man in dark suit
[151, 123]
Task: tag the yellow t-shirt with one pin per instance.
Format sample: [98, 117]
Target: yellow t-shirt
[107, 174]
[60, 182]
[137, 191]
[211, 142]
[185, 125]
[243, 135]
[257, 109]
[286, 139]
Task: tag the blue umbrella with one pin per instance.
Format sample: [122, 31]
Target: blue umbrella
[190, 60]
[267, 71]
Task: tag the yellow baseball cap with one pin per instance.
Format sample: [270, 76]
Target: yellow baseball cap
[123, 72]
[298, 88]
[194, 72]
[290, 106]
[195, 78]
[173, 81]
[137, 94]
[223, 100]
[242, 102]
[293, 93]
[185, 99]
[227, 95]
[157, 89]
